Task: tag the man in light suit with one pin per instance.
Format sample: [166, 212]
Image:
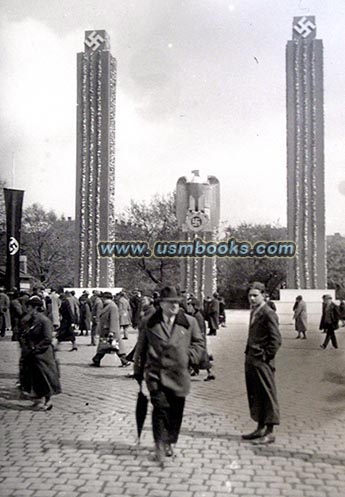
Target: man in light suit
[263, 342]
[109, 332]
[168, 344]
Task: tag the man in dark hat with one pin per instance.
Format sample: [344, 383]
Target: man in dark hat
[169, 343]
[109, 333]
[329, 321]
[263, 342]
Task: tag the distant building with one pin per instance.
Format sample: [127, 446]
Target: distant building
[95, 195]
[24, 278]
[305, 155]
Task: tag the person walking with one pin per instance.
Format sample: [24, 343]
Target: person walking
[85, 314]
[66, 331]
[329, 321]
[16, 310]
[109, 333]
[96, 308]
[263, 342]
[342, 312]
[40, 372]
[125, 314]
[300, 317]
[168, 345]
[5, 318]
[135, 303]
[54, 314]
[222, 313]
[212, 314]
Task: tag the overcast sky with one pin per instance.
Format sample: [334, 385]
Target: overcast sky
[201, 85]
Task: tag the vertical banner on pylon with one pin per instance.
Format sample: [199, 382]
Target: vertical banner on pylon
[14, 206]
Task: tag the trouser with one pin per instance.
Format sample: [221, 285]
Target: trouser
[94, 330]
[330, 336]
[108, 349]
[2, 324]
[125, 330]
[261, 391]
[167, 415]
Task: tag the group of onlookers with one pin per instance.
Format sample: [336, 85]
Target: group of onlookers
[330, 317]
[171, 346]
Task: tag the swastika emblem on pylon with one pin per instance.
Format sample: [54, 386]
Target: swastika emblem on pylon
[13, 246]
[304, 27]
[94, 40]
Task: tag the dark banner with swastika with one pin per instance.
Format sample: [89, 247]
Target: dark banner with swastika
[14, 205]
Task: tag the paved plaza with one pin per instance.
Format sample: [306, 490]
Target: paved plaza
[85, 446]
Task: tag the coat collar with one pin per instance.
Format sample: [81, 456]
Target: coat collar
[257, 313]
[157, 318]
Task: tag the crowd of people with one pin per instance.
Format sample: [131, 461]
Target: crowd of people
[36, 318]
[171, 346]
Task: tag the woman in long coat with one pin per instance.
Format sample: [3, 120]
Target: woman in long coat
[85, 315]
[68, 318]
[40, 373]
[300, 316]
[125, 314]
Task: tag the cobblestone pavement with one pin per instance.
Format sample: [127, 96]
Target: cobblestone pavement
[85, 446]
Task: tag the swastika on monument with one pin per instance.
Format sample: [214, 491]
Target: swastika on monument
[196, 221]
[94, 40]
[13, 246]
[304, 27]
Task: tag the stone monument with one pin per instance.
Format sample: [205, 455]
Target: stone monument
[198, 211]
[95, 187]
[305, 168]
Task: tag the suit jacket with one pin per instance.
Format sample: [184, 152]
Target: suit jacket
[109, 320]
[333, 317]
[264, 337]
[165, 359]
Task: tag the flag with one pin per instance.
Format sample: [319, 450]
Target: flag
[13, 203]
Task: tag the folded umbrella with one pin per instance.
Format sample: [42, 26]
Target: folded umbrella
[141, 411]
[130, 355]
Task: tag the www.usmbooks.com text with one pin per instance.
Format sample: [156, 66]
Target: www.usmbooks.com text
[197, 248]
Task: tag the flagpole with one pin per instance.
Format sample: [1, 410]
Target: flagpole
[13, 169]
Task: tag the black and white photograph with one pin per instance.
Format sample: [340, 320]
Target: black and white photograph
[172, 248]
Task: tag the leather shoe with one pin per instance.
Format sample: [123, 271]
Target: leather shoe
[95, 365]
[269, 438]
[168, 450]
[210, 377]
[160, 454]
[258, 433]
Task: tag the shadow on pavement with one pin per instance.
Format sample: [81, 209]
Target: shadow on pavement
[8, 376]
[75, 364]
[12, 399]
[210, 434]
[114, 448]
[335, 378]
[109, 376]
[274, 451]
